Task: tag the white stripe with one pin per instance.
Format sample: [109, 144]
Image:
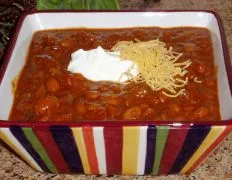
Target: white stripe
[100, 148]
[142, 150]
[23, 151]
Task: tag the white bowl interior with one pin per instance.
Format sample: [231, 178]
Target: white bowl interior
[42, 21]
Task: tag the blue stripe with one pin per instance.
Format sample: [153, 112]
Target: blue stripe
[194, 138]
[65, 141]
[150, 154]
[20, 136]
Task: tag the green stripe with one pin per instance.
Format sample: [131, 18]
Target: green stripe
[39, 149]
[161, 138]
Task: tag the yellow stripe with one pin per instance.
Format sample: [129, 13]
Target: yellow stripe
[4, 137]
[210, 138]
[130, 150]
[79, 139]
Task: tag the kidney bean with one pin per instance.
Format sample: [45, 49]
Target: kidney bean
[201, 68]
[201, 112]
[66, 43]
[179, 118]
[54, 71]
[63, 117]
[164, 116]
[132, 113]
[113, 111]
[44, 118]
[191, 75]
[38, 75]
[162, 98]
[144, 106]
[188, 109]
[191, 95]
[103, 88]
[198, 67]
[115, 88]
[49, 104]
[189, 47]
[111, 99]
[149, 114]
[81, 108]
[174, 108]
[52, 84]
[91, 95]
[210, 82]
[41, 92]
[168, 33]
[67, 98]
[96, 112]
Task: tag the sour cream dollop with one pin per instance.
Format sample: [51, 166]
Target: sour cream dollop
[100, 65]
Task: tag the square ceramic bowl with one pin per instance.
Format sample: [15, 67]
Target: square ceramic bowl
[122, 147]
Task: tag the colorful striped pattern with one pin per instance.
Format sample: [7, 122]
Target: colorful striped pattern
[133, 150]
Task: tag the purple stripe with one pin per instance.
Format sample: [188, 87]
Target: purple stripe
[65, 141]
[150, 155]
[20, 136]
[196, 135]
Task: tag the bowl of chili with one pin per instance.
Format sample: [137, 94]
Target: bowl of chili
[62, 122]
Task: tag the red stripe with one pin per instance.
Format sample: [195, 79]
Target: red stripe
[175, 141]
[52, 150]
[90, 148]
[113, 146]
[211, 147]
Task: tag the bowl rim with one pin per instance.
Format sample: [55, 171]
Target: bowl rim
[118, 123]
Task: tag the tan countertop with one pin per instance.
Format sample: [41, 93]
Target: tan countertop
[217, 166]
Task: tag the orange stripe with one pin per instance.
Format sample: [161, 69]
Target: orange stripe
[90, 148]
[206, 153]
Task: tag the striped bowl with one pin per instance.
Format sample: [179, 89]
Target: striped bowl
[119, 147]
[127, 150]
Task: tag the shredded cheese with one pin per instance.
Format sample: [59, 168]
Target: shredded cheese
[196, 80]
[157, 65]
